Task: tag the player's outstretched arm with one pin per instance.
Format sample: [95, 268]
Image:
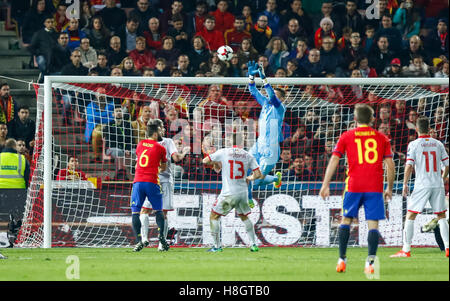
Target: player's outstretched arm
[269, 90]
[390, 166]
[331, 168]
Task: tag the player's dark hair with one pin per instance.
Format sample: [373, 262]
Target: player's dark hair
[152, 127]
[282, 92]
[363, 113]
[423, 125]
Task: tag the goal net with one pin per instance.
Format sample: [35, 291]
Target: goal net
[88, 129]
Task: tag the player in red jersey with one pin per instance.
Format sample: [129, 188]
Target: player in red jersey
[151, 158]
[366, 151]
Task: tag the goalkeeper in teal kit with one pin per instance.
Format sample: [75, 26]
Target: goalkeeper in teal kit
[266, 150]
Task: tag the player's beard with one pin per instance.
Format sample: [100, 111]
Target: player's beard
[160, 137]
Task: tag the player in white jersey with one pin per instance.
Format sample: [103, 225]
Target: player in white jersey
[166, 176]
[234, 194]
[425, 155]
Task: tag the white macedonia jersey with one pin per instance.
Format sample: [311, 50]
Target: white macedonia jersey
[427, 155]
[235, 163]
[166, 175]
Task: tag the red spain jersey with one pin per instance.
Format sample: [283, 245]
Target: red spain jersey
[366, 149]
[149, 154]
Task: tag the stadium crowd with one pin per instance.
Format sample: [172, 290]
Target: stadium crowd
[291, 38]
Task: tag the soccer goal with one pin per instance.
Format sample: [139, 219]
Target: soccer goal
[74, 118]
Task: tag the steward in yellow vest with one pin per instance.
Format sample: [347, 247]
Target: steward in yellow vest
[14, 168]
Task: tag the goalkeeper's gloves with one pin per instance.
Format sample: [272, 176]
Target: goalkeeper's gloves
[262, 74]
[250, 203]
[252, 70]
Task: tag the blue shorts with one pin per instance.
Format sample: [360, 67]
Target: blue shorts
[140, 191]
[373, 205]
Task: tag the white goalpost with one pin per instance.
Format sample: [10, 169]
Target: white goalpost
[289, 216]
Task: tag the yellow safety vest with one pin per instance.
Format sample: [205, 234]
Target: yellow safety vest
[12, 170]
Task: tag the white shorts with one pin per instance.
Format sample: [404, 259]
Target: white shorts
[224, 204]
[167, 197]
[420, 197]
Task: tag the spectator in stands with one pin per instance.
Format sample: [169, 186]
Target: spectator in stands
[86, 14]
[298, 172]
[116, 71]
[42, 43]
[215, 105]
[439, 123]
[248, 15]
[351, 52]
[128, 67]
[380, 55]
[144, 11]
[215, 66]
[88, 54]
[296, 11]
[198, 54]
[391, 33]
[140, 124]
[75, 67]
[141, 56]
[352, 17]
[415, 47]
[161, 67]
[300, 51]
[400, 112]
[234, 36]
[22, 149]
[394, 70]
[325, 30]
[412, 118]
[184, 66]
[99, 112]
[407, 20]
[34, 20]
[261, 34]
[382, 10]
[277, 52]
[285, 161]
[3, 134]
[153, 35]
[368, 39]
[224, 19]
[292, 68]
[311, 168]
[247, 52]
[313, 67]
[98, 34]
[196, 19]
[128, 33]
[384, 116]
[113, 17]
[23, 127]
[75, 34]
[324, 158]
[436, 42]
[8, 106]
[331, 57]
[60, 54]
[115, 53]
[102, 67]
[362, 63]
[60, 18]
[72, 171]
[443, 70]
[168, 52]
[299, 143]
[417, 68]
[118, 138]
[166, 17]
[273, 17]
[264, 61]
[214, 38]
[178, 32]
[327, 11]
[14, 168]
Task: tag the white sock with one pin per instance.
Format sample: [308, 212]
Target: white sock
[215, 232]
[250, 230]
[408, 234]
[144, 226]
[443, 226]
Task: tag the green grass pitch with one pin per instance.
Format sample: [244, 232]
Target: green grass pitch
[239, 264]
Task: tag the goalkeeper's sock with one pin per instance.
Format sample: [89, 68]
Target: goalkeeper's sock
[136, 225]
[215, 232]
[372, 239]
[344, 234]
[408, 234]
[250, 230]
[160, 222]
[443, 226]
[145, 221]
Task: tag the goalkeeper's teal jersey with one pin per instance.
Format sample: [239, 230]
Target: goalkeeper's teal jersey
[270, 125]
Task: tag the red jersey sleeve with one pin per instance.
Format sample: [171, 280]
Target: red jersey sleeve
[388, 147]
[339, 149]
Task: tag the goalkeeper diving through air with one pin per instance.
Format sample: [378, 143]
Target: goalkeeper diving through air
[266, 150]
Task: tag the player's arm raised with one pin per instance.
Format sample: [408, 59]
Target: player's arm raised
[331, 168]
